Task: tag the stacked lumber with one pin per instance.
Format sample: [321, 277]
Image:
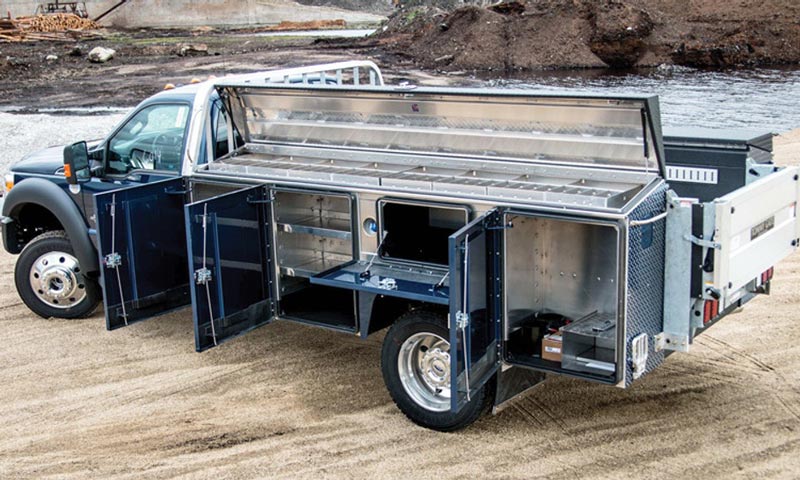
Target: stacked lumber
[60, 26]
[287, 26]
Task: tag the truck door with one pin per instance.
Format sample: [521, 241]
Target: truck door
[755, 227]
[230, 263]
[475, 305]
[141, 241]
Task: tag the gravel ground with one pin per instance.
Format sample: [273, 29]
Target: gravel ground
[292, 401]
[21, 134]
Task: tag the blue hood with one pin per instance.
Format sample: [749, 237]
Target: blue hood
[47, 161]
[44, 162]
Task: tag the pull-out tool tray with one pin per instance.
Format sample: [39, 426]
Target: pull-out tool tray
[391, 280]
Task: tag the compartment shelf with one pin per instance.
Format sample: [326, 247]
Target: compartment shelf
[308, 265]
[330, 227]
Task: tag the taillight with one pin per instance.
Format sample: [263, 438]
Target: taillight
[766, 276]
[710, 310]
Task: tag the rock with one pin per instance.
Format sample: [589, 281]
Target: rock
[75, 52]
[508, 7]
[101, 54]
[203, 29]
[619, 33]
[51, 58]
[192, 49]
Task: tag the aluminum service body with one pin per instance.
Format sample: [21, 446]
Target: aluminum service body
[555, 208]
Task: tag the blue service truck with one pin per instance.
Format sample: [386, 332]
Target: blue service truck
[500, 236]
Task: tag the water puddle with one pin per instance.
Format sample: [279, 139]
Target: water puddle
[763, 99]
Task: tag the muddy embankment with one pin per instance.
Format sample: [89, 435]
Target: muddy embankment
[559, 34]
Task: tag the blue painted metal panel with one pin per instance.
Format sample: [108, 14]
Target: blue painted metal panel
[142, 224]
[402, 282]
[475, 283]
[229, 243]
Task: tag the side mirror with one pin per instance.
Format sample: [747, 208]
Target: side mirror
[76, 163]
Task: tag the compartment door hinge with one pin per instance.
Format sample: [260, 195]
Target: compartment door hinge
[495, 221]
[269, 198]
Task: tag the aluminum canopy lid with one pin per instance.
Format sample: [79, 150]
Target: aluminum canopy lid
[609, 132]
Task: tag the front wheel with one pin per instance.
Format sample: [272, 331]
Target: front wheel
[50, 280]
[415, 361]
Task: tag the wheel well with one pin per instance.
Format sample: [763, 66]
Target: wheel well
[31, 220]
[385, 310]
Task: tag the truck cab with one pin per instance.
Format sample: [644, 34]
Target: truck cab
[55, 221]
[51, 224]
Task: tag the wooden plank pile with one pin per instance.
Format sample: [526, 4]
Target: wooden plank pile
[60, 26]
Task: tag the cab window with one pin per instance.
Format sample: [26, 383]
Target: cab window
[151, 140]
[221, 135]
[220, 131]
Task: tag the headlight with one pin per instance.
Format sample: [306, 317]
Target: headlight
[9, 182]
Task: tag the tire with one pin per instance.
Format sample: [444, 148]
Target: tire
[421, 405]
[50, 281]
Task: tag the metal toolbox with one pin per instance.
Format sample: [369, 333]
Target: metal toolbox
[707, 164]
[589, 344]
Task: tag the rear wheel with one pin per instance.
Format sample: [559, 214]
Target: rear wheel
[416, 369]
[50, 280]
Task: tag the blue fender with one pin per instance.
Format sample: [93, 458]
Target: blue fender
[50, 196]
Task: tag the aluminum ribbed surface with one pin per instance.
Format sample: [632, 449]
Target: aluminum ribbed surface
[645, 280]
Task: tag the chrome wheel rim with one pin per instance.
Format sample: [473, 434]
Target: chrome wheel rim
[56, 280]
[424, 367]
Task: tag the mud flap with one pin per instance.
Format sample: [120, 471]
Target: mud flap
[141, 242]
[512, 383]
[230, 264]
[475, 307]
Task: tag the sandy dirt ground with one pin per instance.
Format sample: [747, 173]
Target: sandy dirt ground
[292, 401]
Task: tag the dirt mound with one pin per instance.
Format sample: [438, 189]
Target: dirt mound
[544, 34]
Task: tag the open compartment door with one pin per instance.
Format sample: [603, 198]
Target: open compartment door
[755, 227]
[231, 267]
[475, 306]
[142, 251]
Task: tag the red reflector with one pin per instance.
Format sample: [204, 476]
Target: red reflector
[710, 310]
[767, 275]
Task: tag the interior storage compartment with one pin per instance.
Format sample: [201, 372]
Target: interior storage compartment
[314, 232]
[419, 232]
[334, 307]
[562, 279]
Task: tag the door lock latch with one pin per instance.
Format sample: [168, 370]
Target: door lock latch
[202, 276]
[462, 320]
[113, 260]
